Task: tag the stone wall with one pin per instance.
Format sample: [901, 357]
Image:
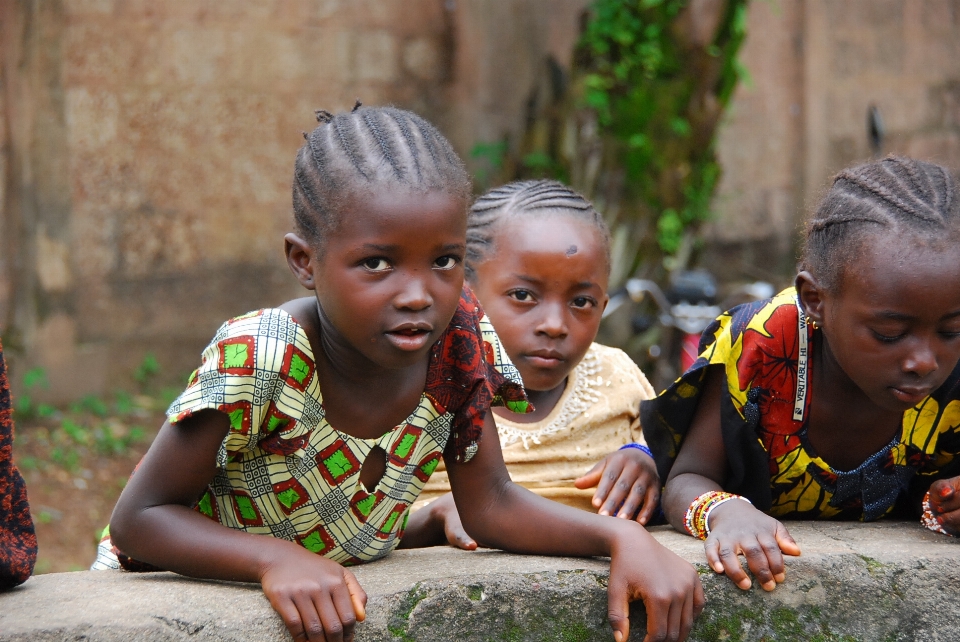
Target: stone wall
[854, 583]
[146, 147]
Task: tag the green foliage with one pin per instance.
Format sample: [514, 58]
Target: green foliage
[24, 405]
[147, 371]
[658, 93]
[490, 159]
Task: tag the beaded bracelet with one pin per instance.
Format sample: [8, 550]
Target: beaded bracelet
[928, 520]
[639, 447]
[696, 521]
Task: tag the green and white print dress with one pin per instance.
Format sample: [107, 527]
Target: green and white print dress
[282, 470]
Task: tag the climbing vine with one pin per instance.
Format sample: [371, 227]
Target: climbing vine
[636, 123]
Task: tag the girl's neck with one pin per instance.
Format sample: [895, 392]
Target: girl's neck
[360, 398]
[845, 426]
[544, 401]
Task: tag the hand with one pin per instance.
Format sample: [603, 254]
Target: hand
[737, 528]
[317, 599]
[945, 503]
[628, 477]
[444, 511]
[669, 587]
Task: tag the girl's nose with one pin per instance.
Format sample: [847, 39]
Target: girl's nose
[552, 323]
[922, 360]
[414, 296]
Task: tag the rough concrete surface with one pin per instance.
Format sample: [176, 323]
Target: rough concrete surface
[854, 582]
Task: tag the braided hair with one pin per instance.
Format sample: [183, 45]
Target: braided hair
[524, 198]
[896, 194]
[363, 148]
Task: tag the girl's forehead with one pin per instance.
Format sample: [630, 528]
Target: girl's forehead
[526, 228]
[903, 271]
[386, 204]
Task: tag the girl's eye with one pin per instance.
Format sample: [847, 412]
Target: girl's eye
[884, 338]
[521, 295]
[584, 302]
[376, 265]
[446, 262]
[950, 334]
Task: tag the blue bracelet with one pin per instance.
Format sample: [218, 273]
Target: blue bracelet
[639, 447]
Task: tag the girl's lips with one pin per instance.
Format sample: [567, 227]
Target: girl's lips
[409, 338]
[545, 359]
[912, 396]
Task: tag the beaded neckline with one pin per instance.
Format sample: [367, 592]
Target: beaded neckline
[579, 396]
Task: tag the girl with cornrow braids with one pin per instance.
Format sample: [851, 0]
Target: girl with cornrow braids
[538, 258]
[837, 399]
[256, 476]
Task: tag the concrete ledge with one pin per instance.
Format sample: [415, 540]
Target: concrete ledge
[855, 581]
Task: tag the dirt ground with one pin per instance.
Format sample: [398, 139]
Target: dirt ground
[75, 462]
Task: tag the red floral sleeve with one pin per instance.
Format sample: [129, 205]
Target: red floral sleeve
[18, 542]
[470, 371]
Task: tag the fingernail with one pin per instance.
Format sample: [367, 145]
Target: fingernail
[779, 577]
[617, 635]
[946, 491]
[745, 584]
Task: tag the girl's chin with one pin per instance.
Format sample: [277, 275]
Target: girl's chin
[537, 383]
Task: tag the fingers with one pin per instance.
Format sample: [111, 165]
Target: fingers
[290, 615]
[729, 563]
[618, 609]
[336, 616]
[765, 560]
[786, 542]
[650, 504]
[312, 620]
[591, 477]
[358, 597]
[611, 473]
[618, 483]
[945, 495]
[456, 535]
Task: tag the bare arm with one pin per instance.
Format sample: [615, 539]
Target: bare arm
[736, 526]
[154, 522]
[499, 513]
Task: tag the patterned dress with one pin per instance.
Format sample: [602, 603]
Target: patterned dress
[18, 543]
[598, 412]
[284, 471]
[765, 348]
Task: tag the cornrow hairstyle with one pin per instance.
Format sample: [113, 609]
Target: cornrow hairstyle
[896, 194]
[524, 198]
[364, 148]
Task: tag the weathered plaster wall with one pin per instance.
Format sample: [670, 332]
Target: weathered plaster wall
[148, 150]
[816, 66]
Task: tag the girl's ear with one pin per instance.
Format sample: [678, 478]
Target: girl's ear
[301, 259]
[811, 296]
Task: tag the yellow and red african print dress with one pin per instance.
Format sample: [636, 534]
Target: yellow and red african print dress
[284, 471]
[770, 459]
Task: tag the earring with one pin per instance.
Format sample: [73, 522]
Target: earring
[813, 324]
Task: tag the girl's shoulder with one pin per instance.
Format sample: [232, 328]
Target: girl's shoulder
[617, 372]
[268, 324]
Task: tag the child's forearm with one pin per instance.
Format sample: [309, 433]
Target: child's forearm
[178, 539]
[524, 522]
[680, 492]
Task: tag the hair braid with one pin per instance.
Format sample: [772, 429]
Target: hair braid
[524, 198]
[366, 147]
[894, 194]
